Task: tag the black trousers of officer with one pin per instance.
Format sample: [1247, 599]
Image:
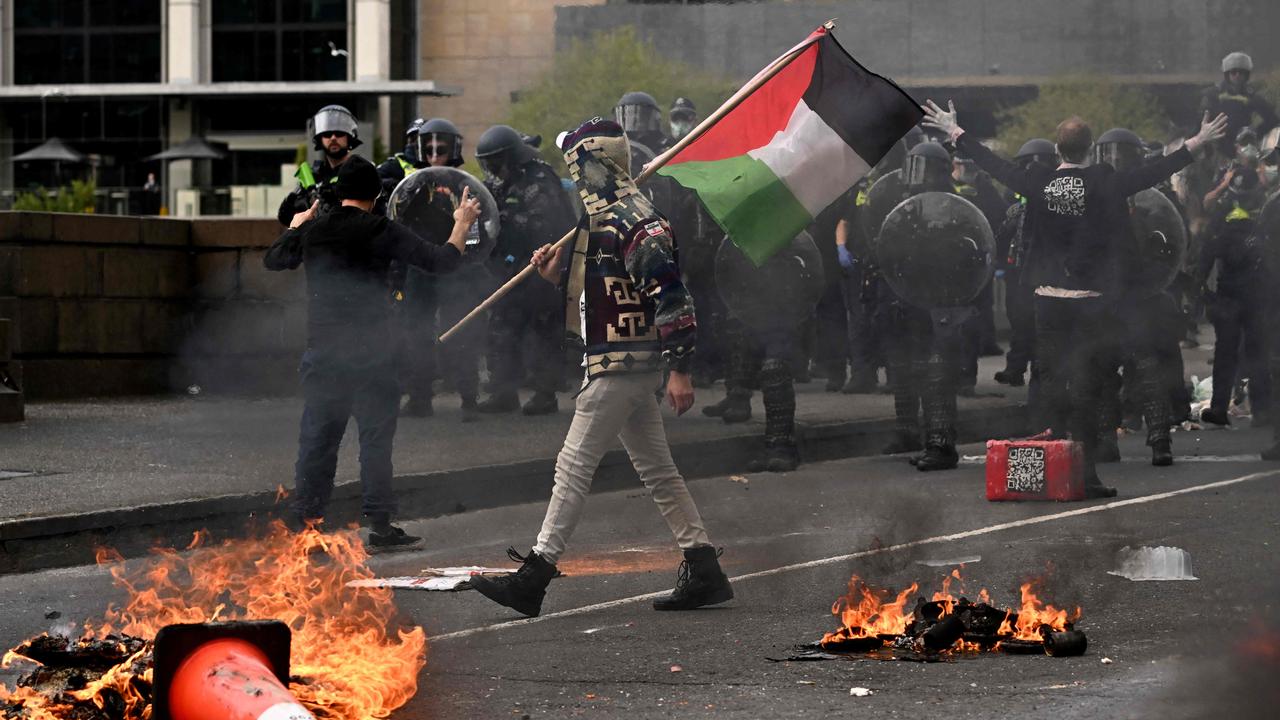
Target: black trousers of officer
[338, 384]
[1078, 345]
[458, 360]
[1241, 323]
[831, 346]
[907, 333]
[765, 358]
[526, 337]
[866, 351]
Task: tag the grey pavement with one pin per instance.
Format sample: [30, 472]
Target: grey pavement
[1171, 649]
[93, 456]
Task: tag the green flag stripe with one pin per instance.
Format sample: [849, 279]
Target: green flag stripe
[748, 201]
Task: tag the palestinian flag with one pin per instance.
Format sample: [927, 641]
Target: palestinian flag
[794, 145]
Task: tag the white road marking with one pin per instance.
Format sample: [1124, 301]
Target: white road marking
[1037, 520]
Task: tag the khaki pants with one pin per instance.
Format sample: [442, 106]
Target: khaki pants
[622, 407]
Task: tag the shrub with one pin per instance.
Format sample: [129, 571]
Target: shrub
[79, 198]
[1100, 101]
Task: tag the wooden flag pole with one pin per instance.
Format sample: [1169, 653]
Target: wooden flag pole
[734, 101]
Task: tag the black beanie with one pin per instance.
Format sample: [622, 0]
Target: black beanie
[358, 180]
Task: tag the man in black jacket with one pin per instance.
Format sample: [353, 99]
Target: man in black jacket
[348, 366]
[1078, 217]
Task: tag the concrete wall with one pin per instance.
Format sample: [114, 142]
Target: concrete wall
[924, 42]
[490, 49]
[110, 305]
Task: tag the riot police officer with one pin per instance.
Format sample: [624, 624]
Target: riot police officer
[1011, 243]
[682, 117]
[535, 211]
[398, 166]
[336, 134]
[1234, 98]
[924, 353]
[1239, 306]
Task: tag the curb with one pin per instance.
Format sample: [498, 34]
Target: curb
[57, 541]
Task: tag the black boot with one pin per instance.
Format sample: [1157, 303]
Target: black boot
[937, 457]
[1217, 417]
[903, 441]
[417, 406]
[1094, 489]
[1272, 453]
[499, 403]
[777, 457]
[542, 403]
[734, 408]
[1162, 453]
[521, 590]
[700, 582]
[470, 410]
[1010, 377]
[383, 536]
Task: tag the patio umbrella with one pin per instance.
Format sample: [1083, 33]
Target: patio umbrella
[53, 150]
[193, 148]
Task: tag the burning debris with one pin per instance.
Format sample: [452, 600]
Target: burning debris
[877, 620]
[351, 656]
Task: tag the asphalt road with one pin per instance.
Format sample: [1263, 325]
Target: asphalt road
[1174, 649]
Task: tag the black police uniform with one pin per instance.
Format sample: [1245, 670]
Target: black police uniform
[316, 181]
[1240, 107]
[534, 211]
[348, 368]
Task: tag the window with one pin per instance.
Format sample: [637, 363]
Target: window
[290, 40]
[78, 41]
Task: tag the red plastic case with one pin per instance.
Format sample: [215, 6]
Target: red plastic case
[1034, 470]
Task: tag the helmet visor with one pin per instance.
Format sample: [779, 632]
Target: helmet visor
[435, 146]
[331, 121]
[637, 118]
[1118, 155]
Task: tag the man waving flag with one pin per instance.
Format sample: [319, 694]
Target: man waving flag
[794, 144]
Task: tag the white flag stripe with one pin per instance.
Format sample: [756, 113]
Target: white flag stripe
[815, 163]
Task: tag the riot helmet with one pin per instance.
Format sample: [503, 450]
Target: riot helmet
[1120, 148]
[683, 116]
[897, 155]
[1039, 151]
[437, 137]
[412, 131]
[928, 165]
[501, 150]
[335, 118]
[638, 114]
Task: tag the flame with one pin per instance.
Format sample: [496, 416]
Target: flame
[351, 656]
[864, 612]
[1035, 614]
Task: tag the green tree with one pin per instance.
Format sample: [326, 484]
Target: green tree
[1102, 103]
[587, 79]
[79, 198]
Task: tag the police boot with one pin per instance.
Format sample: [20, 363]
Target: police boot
[700, 582]
[542, 403]
[1093, 487]
[499, 403]
[734, 408]
[939, 453]
[1162, 452]
[859, 384]
[778, 456]
[903, 441]
[470, 409]
[1272, 453]
[417, 406]
[1214, 416]
[521, 590]
[1012, 378]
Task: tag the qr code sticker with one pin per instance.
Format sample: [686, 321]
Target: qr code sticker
[1026, 470]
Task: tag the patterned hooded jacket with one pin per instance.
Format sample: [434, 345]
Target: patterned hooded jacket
[623, 293]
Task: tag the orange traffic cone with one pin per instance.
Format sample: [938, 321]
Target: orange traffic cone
[224, 671]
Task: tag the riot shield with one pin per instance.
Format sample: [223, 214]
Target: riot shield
[425, 200]
[1160, 239]
[1268, 235]
[781, 293]
[935, 250]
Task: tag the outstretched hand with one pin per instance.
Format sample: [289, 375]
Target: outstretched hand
[944, 120]
[1210, 131]
[468, 210]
